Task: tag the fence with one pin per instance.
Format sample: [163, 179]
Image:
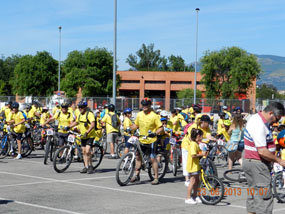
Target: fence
[208, 105]
[261, 104]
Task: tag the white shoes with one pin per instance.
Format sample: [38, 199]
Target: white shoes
[198, 200]
[190, 201]
[186, 183]
[19, 156]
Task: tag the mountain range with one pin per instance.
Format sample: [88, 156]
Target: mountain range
[273, 70]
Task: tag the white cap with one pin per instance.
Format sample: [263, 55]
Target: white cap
[225, 107]
[163, 113]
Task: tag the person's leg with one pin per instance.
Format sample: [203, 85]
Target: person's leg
[110, 140]
[85, 159]
[19, 146]
[191, 186]
[230, 160]
[184, 164]
[195, 186]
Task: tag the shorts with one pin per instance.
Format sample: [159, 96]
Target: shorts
[87, 142]
[149, 149]
[193, 173]
[184, 162]
[62, 138]
[18, 136]
[112, 137]
[128, 145]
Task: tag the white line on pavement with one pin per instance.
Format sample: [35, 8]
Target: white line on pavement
[278, 210]
[42, 207]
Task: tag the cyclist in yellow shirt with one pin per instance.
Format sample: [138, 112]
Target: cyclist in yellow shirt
[44, 116]
[56, 108]
[127, 128]
[225, 109]
[112, 123]
[16, 121]
[5, 111]
[175, 121]
[86, 123]
[147, 121]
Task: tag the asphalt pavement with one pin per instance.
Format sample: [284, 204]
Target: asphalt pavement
[29, 186]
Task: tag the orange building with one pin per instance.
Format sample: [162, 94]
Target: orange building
[162, 84]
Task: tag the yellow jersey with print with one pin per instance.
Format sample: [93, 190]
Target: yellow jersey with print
[84, 121]
[64, 119]
[127, 124]
[177, 126]
[17, 117]
[193, 164]
[44, 117]
[185, 142]
[107, 119]
[147, 122]
[225, 134]
[55, 109]
[7, 112]
[206, 132]
[229, 114]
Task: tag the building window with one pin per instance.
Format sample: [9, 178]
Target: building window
[154, 82]
[181, 82]
[130, 81]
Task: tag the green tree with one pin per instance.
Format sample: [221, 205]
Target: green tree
[147, 59]
[188, 93]
[177, 63]
[268, 91]
[91, 70]
[35, 75]
[228, 71]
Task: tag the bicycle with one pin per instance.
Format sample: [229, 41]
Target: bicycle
[175, 152]
[50, 146]
[235, 175]
[211, 188]
[4, 145]
[218, 153]
[63, 156]
[126, 166]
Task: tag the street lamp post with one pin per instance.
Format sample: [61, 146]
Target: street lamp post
[59, 59]
[195, 76]
[115, 52]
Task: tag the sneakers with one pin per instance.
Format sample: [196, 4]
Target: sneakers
[19, 156]
[190, 201]
[155, 182]
[112, 157]
[186, 183]
[84, 170]
[90, 170]
[135, 178]
[198, 200]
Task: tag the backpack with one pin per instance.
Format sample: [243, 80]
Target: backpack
[186, 117]
[24, 114]
[88, 122]
[115, 121]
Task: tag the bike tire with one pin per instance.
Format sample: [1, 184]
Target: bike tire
[234, 175]
[162, 167]
[4, 147]
[120, 149]
[215, 194]
[174, 162]
[47, 150]
[26, 148]
[278, 190]
[97, 156]
[64, 158]
[211, 168]
[125, 166]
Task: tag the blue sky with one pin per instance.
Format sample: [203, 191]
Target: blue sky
[28, 26]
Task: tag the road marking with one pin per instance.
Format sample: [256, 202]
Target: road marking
[278, 210]
[108, 188]
[42, 207]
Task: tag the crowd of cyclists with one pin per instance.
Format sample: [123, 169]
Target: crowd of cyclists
[154, 128]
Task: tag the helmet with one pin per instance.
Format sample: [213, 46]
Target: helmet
[82, 104]
[111, 107]
[15, 105]
[163, 113]
[106, 105]
[65, 105]
[146, 102]
[222, 114]
[128, 110]
[45, 108]
[225, 107]
[205, 118]
[281, 138]
[163, 119]
[56, 103]
[227, 122]
[197, 108]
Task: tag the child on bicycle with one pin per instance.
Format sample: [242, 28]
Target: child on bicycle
[193, 165]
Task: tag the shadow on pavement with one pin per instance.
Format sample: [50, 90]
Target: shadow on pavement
[5, 201]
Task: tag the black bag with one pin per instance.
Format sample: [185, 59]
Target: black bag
[115, 121]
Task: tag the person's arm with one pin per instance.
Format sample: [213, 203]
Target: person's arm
[267, 155]
[199, 155]
[92, 125]
[159, 130]
[22, 121]
[48, 121]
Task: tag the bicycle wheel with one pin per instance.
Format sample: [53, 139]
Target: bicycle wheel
[125, 169]
[212, 191]
[174, 163]
[120, 149]
[211, 168]
[236, 175]
[62, 158]
[162, 166]
[221, 159]
[278, 187]
[4, 148]
[47, 149]
[26, 148]
[97, 155]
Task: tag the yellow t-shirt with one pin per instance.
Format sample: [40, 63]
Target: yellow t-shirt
[185, 142]
[229, 114]
[84, 124]
[147, 122]
[193, 164]
[283, 154]
[206, 132]
[225, 134]
[283, 121]
[64, 119]
[7, 112]
[107, 119]
[181, 120]
[76, 112]
[220, 126]
[17, 117]
[55, 109]
[127, 124]
[176, 128]
[44, 117]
